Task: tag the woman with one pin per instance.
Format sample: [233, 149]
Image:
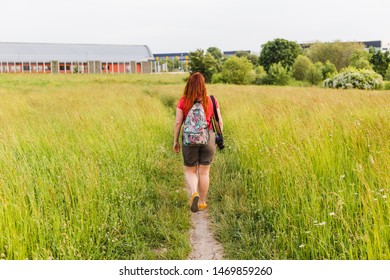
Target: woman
[197, 159]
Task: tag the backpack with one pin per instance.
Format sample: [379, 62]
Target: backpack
[195, 130]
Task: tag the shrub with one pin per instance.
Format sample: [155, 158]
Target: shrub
[360, 59]
[380, 60]
[301, 65]
[261, 76]
[361, 64]
[387, 76]
[314, 74]
[238, 70]
[355, 78]
[217, 78]
[328, 70]
[278, 75]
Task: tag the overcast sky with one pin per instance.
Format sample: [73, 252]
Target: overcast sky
[184, 25]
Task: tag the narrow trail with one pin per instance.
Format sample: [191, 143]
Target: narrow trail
[204, 245]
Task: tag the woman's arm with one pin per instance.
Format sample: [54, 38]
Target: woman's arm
[176, 129]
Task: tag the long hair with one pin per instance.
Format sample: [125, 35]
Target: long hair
[195, 90]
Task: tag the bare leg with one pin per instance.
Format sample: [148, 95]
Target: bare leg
[204, 181]
[190, 173]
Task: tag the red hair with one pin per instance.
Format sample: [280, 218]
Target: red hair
[195, 90]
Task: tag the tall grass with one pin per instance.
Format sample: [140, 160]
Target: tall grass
[305, 174]
[86, 170]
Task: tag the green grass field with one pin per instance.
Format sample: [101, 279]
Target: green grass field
[87, 170]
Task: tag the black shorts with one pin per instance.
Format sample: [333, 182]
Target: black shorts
[194, 155]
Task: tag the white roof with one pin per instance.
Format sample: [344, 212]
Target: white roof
[44, 52]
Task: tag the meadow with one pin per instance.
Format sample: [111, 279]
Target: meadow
[87, 170]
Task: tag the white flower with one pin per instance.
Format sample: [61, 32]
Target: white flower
[332, 214]
[302, 245]
[384, 196]
[342, 176]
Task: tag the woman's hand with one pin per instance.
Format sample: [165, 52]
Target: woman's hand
[176, 147]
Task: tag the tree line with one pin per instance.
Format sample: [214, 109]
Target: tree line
[283, 62]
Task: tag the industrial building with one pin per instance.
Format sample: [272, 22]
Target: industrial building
[75, 58]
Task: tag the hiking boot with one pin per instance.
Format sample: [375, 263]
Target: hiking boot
[194, 202]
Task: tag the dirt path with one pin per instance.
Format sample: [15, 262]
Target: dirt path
[204, 244]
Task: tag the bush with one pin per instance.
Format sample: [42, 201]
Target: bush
[354, 78]
[360, 59]
[328, 70]
[217, 78]
[238, 70]
[387, 77]
[261, 76]
[314, 74]
[361, 64]
[278, 75]
[301, 65]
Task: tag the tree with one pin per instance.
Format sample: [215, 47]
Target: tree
[206, 64]
[387, 76]
[215, 52]
[279, 51]
[360, 59]
[218, 56]
[328, 70]
[251, 57]
[339, 53]
[314, 73]
[301, 65]
[380, 61]
[238, 70]
[278, 75]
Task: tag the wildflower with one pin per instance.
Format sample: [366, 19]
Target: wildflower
[342, 176]
[332, 214]
[321, 224]
[307, 231]
[384, 196]
[302, 245]
[372, 159]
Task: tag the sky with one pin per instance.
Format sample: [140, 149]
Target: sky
[184, 25]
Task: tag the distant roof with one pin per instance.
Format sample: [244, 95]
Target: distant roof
[18, 52]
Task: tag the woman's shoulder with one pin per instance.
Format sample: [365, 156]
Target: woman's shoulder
[181, 102]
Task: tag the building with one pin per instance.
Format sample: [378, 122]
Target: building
[379, 45]
[74, 58]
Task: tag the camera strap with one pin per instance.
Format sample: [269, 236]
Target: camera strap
[215, 118]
